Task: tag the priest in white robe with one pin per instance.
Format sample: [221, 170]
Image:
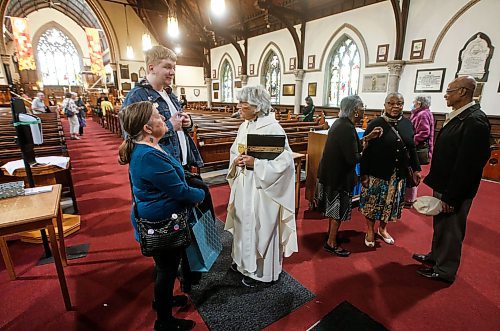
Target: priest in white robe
[261, 210]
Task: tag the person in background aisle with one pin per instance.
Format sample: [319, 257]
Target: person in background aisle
[160, 190]
[383, 169]
[261, 209]
[461, 151]
[38, 106]
[156, 88]
[71, 111]
[423, 127]
[81, 114]
[106, 106]
[184, 101]
[336, 173]
[309, 110]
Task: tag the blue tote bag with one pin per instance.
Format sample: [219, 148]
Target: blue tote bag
[206, 244]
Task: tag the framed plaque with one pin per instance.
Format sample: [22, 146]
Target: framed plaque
[214, 73]
[311, 59]
[126, 86]
[252, 69]
[311, 89]
[374, 83]
[124, 72]
[183, 90]
[417, 49]
[292, 63]
[288, 89]
[142, 72]
[430, 80]
[237, 83]
[215, 86]
[478, 92]
[196, 92]
[134, 77]
[382, 53]
[474, 59]
[216, 95]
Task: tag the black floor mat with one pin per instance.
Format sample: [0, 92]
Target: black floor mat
[226, 304]
[346, 317]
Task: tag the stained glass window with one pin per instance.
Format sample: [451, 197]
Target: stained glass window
[227, 82]
[343, 71]
[272, 77]
[58, 60]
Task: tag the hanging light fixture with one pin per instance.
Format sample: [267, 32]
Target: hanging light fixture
[172, 26]
[130, 50]
[218, 7]
[146, 41]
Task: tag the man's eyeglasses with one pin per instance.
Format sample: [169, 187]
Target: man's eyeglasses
[399, 104]
[456, 89]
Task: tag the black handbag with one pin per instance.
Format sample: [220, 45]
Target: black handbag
[156, 237]
[423, 153]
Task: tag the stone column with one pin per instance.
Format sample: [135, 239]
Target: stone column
[244, 80]
[299, 77]
[395, 70]
[208, 84]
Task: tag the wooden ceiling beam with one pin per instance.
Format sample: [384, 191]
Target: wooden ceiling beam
[401, 18]
[278, 12]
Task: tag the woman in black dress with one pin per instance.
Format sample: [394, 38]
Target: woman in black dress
[336, 174]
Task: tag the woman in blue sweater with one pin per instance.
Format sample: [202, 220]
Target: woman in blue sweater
[160, 190]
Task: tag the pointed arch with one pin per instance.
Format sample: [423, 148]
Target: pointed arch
[343, 71]
[227, 80]
[352, 32]
[67, 54]
[271, 76]
[229, 59]
[264, 55]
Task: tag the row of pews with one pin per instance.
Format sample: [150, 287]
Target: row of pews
[215, 130]
[54, 144]
[214, 133]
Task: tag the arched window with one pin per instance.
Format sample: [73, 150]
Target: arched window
[227, 82]
[343, 71]
[58, 59]
[272, 76]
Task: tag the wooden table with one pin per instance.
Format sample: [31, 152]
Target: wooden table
[48, 175]
[31, 212]
[297, 159]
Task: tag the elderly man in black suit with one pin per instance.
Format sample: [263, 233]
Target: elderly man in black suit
[460, 153]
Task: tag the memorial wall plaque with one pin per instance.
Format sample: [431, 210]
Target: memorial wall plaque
[429, 80]
[474, 59]
[375, 83]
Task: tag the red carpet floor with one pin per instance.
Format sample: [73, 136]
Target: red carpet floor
[111, 289]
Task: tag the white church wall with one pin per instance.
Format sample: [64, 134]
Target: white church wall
[481, 17]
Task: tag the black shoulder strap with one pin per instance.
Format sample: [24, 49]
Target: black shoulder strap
[134, 202]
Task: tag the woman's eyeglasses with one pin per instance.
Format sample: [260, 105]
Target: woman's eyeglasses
[399, 104]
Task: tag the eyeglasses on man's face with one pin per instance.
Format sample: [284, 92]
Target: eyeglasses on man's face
[456, 89]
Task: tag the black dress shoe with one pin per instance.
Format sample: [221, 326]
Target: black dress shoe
[177, 301]
[424, 258]
[337, 250]
[252, 283]
[234, 267]
[431, 274]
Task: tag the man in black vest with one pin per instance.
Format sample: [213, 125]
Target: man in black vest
[460, 153]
